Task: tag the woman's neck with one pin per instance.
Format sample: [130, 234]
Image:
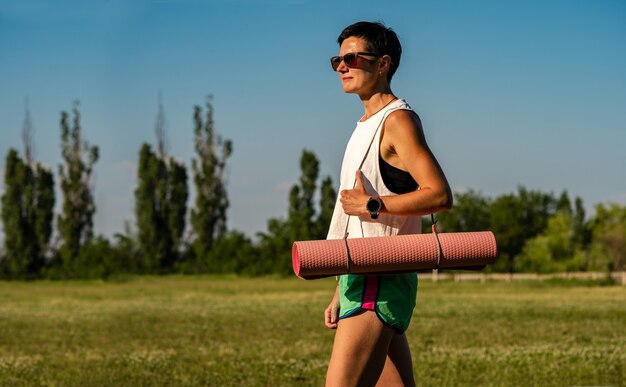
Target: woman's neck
[376, 102]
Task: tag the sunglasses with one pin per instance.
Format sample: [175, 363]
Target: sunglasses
[350, 59]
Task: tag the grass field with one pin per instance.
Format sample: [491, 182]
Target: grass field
[220, 331]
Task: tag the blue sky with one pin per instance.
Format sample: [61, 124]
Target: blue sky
[530, 93]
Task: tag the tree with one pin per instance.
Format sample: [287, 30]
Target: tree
[305, 223]
[160, 203]
[607, 250]
[302, 222]
[470, 213]
[301, 209]
[75, 223]
[328, 199]
[152, 240]
[27, 139]
[582, 235]
[554, 250]
[275, 248]
[515, 218]
[564, 204]
[44, 209]
[27, 209]
[581, 231]
[16, 216]
[208, 218]
[233, 252]
[178, 193]
[160, 207]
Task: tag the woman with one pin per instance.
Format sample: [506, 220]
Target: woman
[389, 179]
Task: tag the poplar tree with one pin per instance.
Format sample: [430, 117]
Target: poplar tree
[160, 202]
[75, 223]
[208, 218]
[160, 208]
[27, 209]
[328, 198]
[147, 211]
[16, 214]
[305, 223]
[302, 222]
[301, 210]
[43, 204]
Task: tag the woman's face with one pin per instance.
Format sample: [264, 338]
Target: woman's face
[363, 77]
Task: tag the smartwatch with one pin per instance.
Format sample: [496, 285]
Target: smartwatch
[374, 205]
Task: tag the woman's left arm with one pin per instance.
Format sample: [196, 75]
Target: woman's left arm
[404, 138]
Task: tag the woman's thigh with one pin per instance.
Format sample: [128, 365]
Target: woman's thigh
[359, 352]
[398, 370]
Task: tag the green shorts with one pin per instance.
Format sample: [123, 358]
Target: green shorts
[391, 296]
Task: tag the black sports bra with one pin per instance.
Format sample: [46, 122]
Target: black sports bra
[397, 180]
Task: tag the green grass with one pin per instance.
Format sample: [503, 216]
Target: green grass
[227, 331]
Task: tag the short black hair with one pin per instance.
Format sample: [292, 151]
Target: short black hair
[380, 40]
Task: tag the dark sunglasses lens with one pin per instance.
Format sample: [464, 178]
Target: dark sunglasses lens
[350, 60]
[335, 61]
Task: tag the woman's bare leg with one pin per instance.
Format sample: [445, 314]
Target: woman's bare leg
[398, 369]
[361, 345]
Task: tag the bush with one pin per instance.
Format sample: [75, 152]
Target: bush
[97, 259]
[555, 250]
[233, 252]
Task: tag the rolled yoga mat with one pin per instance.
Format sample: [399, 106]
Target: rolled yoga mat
[393, 254]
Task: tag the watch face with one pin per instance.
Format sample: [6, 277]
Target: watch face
[373, 205]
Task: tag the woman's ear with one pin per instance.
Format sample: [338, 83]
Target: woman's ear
[385, 63]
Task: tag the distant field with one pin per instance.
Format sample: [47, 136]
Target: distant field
[269, 332]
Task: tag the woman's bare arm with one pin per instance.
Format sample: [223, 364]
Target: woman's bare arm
[404, 146]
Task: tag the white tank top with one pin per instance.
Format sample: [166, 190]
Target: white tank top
[364, 147]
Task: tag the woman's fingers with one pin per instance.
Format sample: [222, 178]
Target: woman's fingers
[331, 317]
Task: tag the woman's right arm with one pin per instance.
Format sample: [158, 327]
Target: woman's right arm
[331, 314]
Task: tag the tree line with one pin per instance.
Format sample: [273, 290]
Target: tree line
[541, 232]
[536, 231]
[38, 245]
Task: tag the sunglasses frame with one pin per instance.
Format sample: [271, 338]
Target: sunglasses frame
[338, 59]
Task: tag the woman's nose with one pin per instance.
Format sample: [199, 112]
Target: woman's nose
[342, 68]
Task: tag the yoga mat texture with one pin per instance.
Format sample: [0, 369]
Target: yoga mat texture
[393, 254]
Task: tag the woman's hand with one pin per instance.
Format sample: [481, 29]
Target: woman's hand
[354, 201]
[331, 314]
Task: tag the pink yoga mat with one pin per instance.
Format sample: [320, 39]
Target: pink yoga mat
[393, 254]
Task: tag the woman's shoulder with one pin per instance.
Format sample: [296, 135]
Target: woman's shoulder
[403, 119]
